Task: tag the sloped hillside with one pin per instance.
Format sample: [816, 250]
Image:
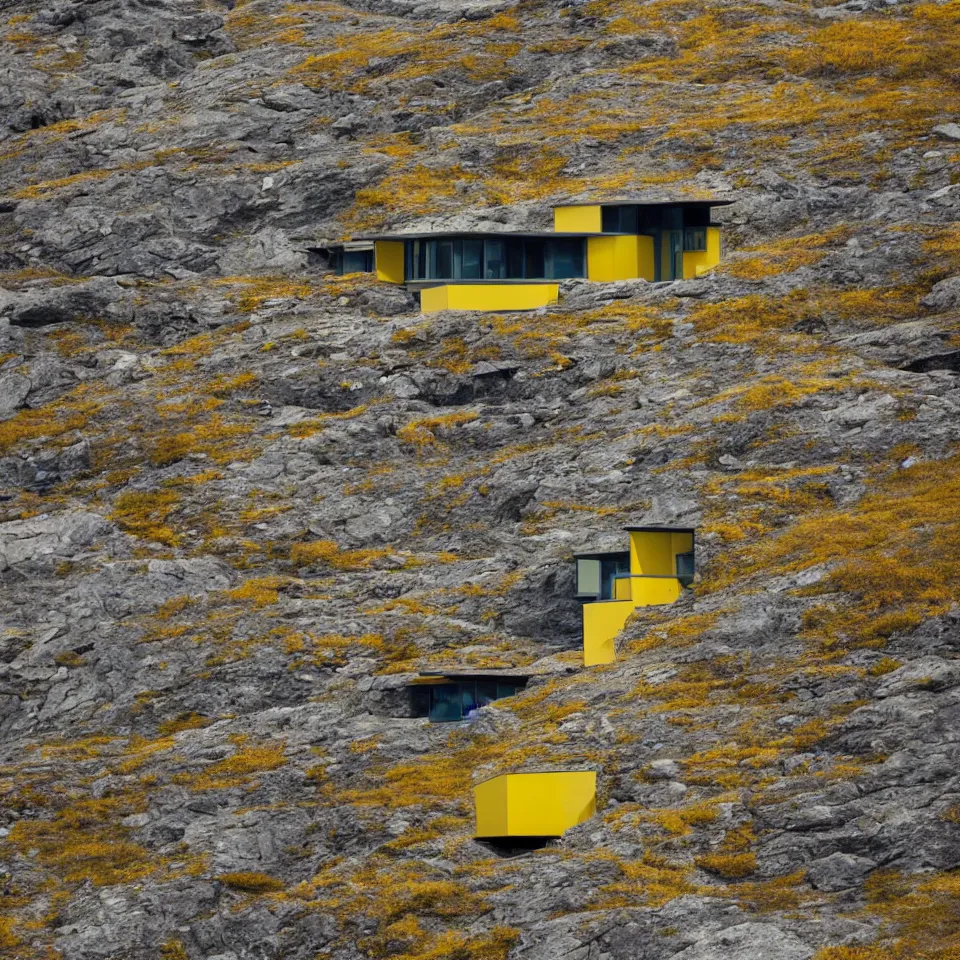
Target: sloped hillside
[243, 502]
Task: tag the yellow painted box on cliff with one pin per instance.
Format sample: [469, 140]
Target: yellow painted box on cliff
[535, 804]
[488, 296]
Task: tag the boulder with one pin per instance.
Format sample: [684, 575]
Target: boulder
[944, 295]
[70, 302]
[839, 871]
[949, 131]
[56, 535]
[926, 673]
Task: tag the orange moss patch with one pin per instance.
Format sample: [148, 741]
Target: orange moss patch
[84, 842]
[920, 917]
[251, 882]
[71, 412]
[327, 552]
[895, 555]
[144, 514]
[251, 293]
[238, 770]
[730, 866]
[423, 433]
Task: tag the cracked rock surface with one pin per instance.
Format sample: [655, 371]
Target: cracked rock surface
[244, 503]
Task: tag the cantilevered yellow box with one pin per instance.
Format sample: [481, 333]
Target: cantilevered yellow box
[535, 804]
[488, 296]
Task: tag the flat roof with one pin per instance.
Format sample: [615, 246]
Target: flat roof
[526, 773]
[601, 554]
[660, 528]
[353, 244]
[643, 202]
[472, 675]
[491, 234]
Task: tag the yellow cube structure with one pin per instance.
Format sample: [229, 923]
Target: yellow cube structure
[660, 565]
[534, 804]
[488, 296]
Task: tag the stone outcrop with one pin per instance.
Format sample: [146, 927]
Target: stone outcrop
[244, 504]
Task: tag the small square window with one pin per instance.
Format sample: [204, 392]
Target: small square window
[695, 239]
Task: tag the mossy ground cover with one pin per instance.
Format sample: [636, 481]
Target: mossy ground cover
[757, 368]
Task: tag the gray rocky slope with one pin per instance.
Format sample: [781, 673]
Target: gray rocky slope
[242, 503]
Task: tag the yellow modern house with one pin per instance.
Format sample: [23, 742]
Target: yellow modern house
[622, 240]
[654, 571]
[534, 805]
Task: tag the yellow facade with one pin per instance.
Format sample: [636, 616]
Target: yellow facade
[655, 592]
[654, 552]
[653, 581]
[389, 260]
[700, 261]
[602, 621]
[488, 296]
[587, 219]
[535, 804]
[619, 258]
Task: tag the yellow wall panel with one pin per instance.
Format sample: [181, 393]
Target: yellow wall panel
[611, 258]
[535, 804]
[655, 591]
[389, 260]
[577, 219]
[696, 262]
[602, 621]
[433, 298]
[645, 263]
[619, 258]
[488, 296]
[652, 552]
[490, 798]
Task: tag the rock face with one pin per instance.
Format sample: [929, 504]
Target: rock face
[751, 941]
[245, 504]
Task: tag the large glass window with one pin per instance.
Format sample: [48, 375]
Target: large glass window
[460, 700]
[685, 568]
[515, 259]
[596, 575]
[444, 259]
[535, 259]
[564, 259]
[494, 260]
[472, 260]
[416, 260]
[588, 577]
[619, 219]
[357, 261]
[445, 703]
[671, 218]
